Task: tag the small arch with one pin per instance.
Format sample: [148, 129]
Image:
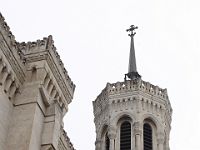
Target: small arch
[125, 136]
[124, 123]
[33, 76]
[107, 142]
[147, 137]
[104, 137]
[103, 130]
[152, 119]
[122, 117]
[150, 128]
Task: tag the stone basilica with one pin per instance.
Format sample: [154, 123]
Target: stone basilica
[35, 91]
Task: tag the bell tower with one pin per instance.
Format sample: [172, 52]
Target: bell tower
[132, 114]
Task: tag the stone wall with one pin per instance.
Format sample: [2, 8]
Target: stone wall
[35, 90]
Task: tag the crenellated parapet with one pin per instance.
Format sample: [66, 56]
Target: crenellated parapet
[10, 52]
[64, 142]
[136, 95]
[17, 55]
[133, 85]
[5, 29]
[45, 50]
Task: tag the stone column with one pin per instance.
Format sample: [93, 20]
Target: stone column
[167, 144]
[160, 141]
[112, 136]
[98, 144]
[112, 146]
[138, 133]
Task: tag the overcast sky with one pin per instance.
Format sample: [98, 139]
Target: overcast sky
[90, 37]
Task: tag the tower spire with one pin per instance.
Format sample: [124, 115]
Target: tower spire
[132, 68]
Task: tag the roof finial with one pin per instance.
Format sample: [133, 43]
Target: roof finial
[132, 69]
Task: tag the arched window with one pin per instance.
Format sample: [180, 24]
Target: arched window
[125, 136]
[147, 137]
[107, 142]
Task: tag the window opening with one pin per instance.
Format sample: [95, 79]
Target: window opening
[147, 136]
[125, 136]
[107, 141]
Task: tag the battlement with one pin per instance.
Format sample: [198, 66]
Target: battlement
[128, 86]
[39, 50]
[6, 30]
[24, 50]
[64, 142]
[132, 85]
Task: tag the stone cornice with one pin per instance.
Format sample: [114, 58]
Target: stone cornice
[19, 54]
[8, 46]
[5, 29]
[122, 92]
[45, 50]
[65, 141]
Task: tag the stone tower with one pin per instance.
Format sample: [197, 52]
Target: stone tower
[133, 114]
[35, 91]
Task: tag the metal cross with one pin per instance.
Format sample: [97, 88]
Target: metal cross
[131, 29]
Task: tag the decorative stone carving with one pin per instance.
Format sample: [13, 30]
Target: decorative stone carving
[135, 98]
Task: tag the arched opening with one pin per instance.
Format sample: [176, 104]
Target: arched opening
[125, 136]
[147, 137]
[105, 145]
[107, 142]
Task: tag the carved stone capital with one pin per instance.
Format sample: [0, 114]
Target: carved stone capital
[160, 137]
[98, 141]
[112, 132]
[160, 141]
[137, 128]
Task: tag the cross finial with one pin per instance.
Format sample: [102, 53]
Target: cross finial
[131, 29]
[132, 70]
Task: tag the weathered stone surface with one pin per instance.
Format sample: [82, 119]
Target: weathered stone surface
[35, 90]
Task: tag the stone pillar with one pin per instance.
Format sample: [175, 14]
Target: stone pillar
[167, 144]
[137, 142]
[112, 146]
[52, 124]
[112, 136]
[138, 133]
[6, 108]
[160, 141]
[27, 119]
[98, 144]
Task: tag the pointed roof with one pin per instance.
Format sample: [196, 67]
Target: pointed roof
[132, 68]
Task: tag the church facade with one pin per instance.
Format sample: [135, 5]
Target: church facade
[35, 91]
[132, 114]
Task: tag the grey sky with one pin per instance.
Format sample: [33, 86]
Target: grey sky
[90, 37]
